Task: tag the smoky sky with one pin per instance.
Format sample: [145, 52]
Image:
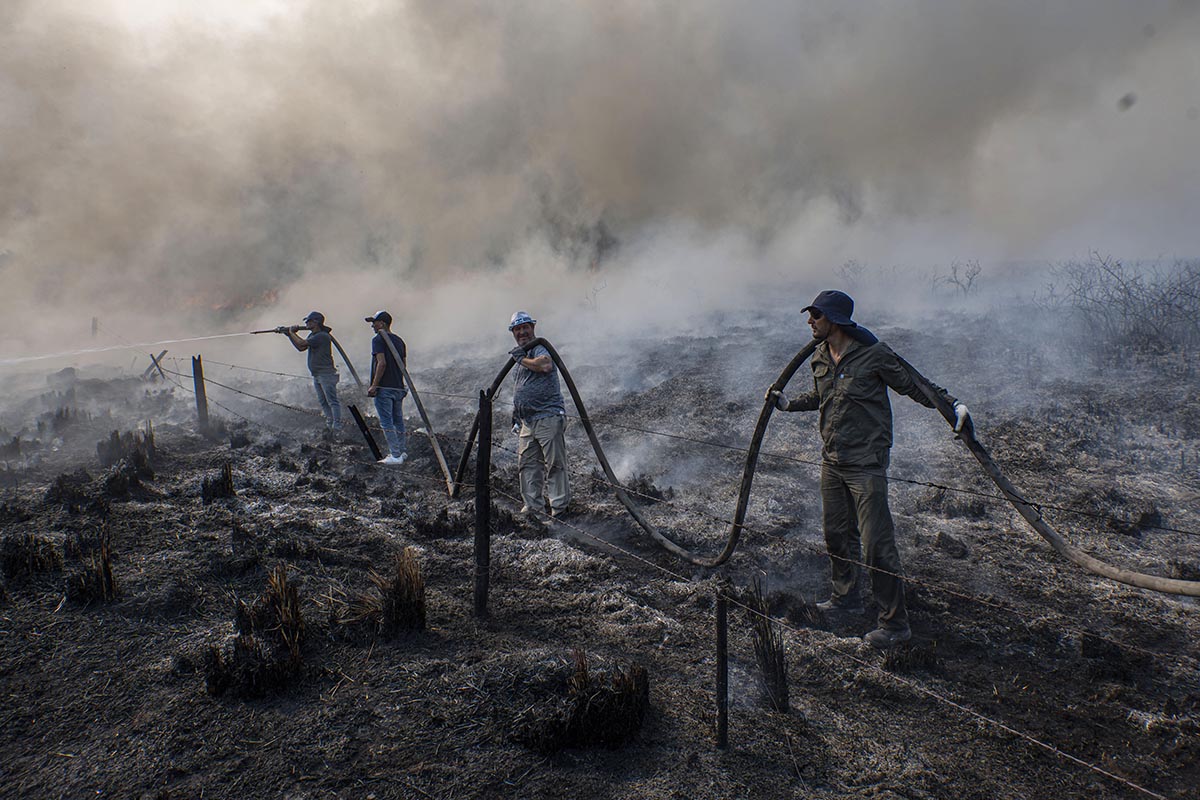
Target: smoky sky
[201, 167]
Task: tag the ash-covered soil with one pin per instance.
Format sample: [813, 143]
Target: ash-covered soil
[113, 697]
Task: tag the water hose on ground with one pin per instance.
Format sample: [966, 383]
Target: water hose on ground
[1034, 517]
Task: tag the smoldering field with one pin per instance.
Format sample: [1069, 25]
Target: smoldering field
[225, 614]
[121, 696]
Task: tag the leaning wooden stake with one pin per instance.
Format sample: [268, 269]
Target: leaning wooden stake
[155, 363]
[483, 505]
[201, 396]
[433, 440]
[366, 432]
[722, 668]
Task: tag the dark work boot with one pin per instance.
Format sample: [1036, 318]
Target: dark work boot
[850, 604]
[883, 638]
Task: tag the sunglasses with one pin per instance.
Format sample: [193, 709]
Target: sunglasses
[815, 313]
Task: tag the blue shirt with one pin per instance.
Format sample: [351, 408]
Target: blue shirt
[537, 395]
[392, 377]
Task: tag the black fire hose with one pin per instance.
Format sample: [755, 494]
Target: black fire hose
[735, 529]
[1034, 517]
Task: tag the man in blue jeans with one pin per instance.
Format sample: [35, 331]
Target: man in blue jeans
[387, 385]
[319, 344]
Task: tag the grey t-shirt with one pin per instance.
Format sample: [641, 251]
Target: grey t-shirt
[320, 353]
[537, 394]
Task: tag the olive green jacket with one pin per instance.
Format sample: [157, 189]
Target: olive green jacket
[856, 417]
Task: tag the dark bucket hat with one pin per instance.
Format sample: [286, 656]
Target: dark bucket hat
[835, 306]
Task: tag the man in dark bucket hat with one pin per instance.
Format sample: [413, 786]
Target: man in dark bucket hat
[852, 371]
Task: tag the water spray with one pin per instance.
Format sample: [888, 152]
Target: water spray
[135, 346]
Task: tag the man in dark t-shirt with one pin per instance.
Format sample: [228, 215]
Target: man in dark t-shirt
[319, 344]
[387, 385]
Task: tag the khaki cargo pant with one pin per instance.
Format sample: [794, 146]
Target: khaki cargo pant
[854, 502]
[543, 449]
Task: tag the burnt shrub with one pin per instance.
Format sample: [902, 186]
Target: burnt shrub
[265, 653]
[445, 523]
[912, 657]
[1118, 308]
[24, 554]
[643, 490]
[136, 448]
[219, 486]
[69, 490]
[13, 512]
[605, 708]
[94, 580]
[796, 610]
[395, 603]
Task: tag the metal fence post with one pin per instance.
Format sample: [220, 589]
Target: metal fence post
[483, 505]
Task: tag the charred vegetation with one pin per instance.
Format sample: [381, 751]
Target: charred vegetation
[586, 709]
[265, 653]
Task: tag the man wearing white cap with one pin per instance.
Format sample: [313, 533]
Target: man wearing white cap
[387, 386]
[539, 411]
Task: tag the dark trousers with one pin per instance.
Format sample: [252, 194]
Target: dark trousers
[854, 502]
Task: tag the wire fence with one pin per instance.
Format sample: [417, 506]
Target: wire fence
[609, 547]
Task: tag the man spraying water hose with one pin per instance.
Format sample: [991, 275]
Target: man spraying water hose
[319, 344]
[852, 371]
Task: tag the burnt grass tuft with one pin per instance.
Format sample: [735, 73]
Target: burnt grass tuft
[768, 650]
[13, 512]
[134, 447]
[219, 486]
[395, 603]
[94, 580]
[912, 657]
[69, 491]
[605, 708]
[264, 654]
[23, 555]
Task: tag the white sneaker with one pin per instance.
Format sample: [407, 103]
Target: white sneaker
[394, 460]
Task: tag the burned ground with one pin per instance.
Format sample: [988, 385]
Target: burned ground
[108, 695]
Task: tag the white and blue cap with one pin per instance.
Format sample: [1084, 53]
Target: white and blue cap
[521, 318]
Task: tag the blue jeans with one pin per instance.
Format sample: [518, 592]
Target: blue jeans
[389, 405]
[326, 386]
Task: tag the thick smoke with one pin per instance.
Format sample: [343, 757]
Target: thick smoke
[452, 160]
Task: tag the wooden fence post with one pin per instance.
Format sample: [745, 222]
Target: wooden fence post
[483, 505]
[722, 667]
[201, 396]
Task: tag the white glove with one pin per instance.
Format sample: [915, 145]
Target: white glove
[516, 429]
[781, 402]
[961, 415]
